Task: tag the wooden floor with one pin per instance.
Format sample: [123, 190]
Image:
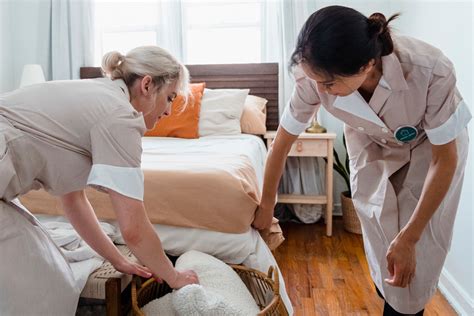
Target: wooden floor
[330, 276]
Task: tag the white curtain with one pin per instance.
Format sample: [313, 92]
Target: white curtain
[6, 55]
[57, 34]
[71, 37]
[170, 27]
[282, 21]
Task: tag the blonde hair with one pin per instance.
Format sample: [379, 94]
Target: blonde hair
[147, 60]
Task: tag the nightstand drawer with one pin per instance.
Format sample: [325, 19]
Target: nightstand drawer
[309, 148]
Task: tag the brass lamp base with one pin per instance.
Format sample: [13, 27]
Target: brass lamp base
[316, 128]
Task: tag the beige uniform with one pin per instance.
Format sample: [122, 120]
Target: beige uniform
[60, 136]
[418, 89]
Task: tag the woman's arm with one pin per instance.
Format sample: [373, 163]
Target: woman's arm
[82, 217]
[438, 180]
[143, 241]
[401, 254]
[275, 164]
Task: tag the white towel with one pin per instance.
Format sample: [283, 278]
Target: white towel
[196, 300]
[162, 307]
[221, 291]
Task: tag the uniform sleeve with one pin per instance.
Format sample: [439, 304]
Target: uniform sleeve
[303, 105]
[446, 113]
[116, 154]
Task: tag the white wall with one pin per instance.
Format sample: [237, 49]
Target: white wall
[448, 26]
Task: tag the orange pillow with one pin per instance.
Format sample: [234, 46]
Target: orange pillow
[182, 123]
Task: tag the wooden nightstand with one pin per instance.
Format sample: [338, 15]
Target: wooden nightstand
[312, 145]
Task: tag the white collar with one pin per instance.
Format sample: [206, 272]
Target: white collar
[383, 83]
[356, 105]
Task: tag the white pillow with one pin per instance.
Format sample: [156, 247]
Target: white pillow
[221, 110]
[218, 280]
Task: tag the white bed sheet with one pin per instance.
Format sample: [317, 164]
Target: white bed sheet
[250, 146]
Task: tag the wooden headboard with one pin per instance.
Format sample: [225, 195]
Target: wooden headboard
[261, 79]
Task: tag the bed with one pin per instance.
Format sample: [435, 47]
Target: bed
[186, 218]
[211, 183]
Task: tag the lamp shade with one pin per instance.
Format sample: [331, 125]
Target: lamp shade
[31, 74]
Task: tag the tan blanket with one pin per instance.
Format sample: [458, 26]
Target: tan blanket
[214, 192]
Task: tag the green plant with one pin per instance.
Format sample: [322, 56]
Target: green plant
[342, 168]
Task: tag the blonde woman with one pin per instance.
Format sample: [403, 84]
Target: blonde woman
[63, 136]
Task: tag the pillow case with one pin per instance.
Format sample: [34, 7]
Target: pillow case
[221, 110]
[254, 116]
[183, 122]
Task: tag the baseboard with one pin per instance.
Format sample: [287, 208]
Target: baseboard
[455, 294]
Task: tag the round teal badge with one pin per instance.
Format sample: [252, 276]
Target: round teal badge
[406, 133]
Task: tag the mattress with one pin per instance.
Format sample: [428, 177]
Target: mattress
[211, 183]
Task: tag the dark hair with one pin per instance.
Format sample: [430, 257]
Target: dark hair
[337, 40]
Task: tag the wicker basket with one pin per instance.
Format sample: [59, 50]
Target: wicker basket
[349, 215]
[263, 288]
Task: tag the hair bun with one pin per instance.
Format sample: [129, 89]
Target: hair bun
[380, 31]
[111, 61]
[378, 24]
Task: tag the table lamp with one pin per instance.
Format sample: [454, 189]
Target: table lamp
[32, 73]
[315, 127]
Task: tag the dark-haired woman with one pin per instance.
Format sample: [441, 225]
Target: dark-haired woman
[405, 125]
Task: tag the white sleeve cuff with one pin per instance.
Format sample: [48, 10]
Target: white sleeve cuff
[126, 181]
[450, 129]
[290, 124]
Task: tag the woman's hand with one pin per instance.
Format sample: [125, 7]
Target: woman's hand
[401, 261]
[263, 217]
[184, 278]
[126, 266]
